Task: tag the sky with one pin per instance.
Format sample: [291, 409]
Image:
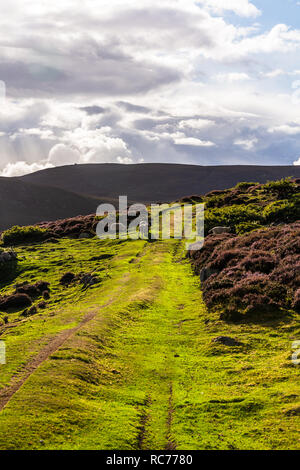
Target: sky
[206, 82]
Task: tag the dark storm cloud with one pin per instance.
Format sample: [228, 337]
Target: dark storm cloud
[21, 78]
[101, 54]
[90, 76]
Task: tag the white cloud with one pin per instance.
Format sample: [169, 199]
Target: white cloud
[274, 73]
[297, 162]
[124, 160]
[193, 142]
[185, 76]
[60, 155]
[247, 144]
[22, 168]
[232, 77]
[240, 7]
[43, 134]
[195, 123]
[286, 129]
[95, 145]
[281, 38]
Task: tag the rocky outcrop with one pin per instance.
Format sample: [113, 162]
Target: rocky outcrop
[205, 273]
[7, 257]
[220, 230]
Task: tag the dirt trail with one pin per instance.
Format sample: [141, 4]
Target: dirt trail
[171, 445]
[18, 381]
[143, 423]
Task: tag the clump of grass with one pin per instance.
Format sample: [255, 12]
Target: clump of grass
[282, 189]
[287, 210]
[232, 216]
[20, 235]
[251, 206]
[246, 227]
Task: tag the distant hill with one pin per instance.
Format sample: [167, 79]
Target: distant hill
[77, 189]
[24, 203]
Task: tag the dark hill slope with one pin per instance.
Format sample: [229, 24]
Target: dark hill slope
[78, 189]
[153, 182]
[23, 203]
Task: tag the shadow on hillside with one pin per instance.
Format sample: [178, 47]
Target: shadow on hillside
[8, 275]
[270, 321]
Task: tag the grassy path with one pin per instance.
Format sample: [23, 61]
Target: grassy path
[145, 374]
[7, 393]
[154, 352]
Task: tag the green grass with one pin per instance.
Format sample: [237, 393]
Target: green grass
[250, 206]
[144, 372]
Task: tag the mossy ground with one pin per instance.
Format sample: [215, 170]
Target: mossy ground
[144, 372]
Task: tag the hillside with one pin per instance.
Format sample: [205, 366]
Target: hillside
[25, 203]
[153, 182]
[253, 272]
[78, 189]
[118, 345]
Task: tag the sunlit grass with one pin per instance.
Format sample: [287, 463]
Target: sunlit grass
[144, 373]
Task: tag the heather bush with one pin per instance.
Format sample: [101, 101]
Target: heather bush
[32, 290]
[246, 227]
[201, 257]
[214, 201]
[260, 304]
[258, 274]
[258, 271]
[282, 189]
[232, 216]
[259, 261]
[15, 302]
[287, 271]
[191, 199]
[226, 258]
[71, 227]
[244, 186]
[296, 302]
[253, 203]
[282, 211]
[278, 292]
[18, 235]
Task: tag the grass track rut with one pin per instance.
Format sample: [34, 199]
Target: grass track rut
[55, 343]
